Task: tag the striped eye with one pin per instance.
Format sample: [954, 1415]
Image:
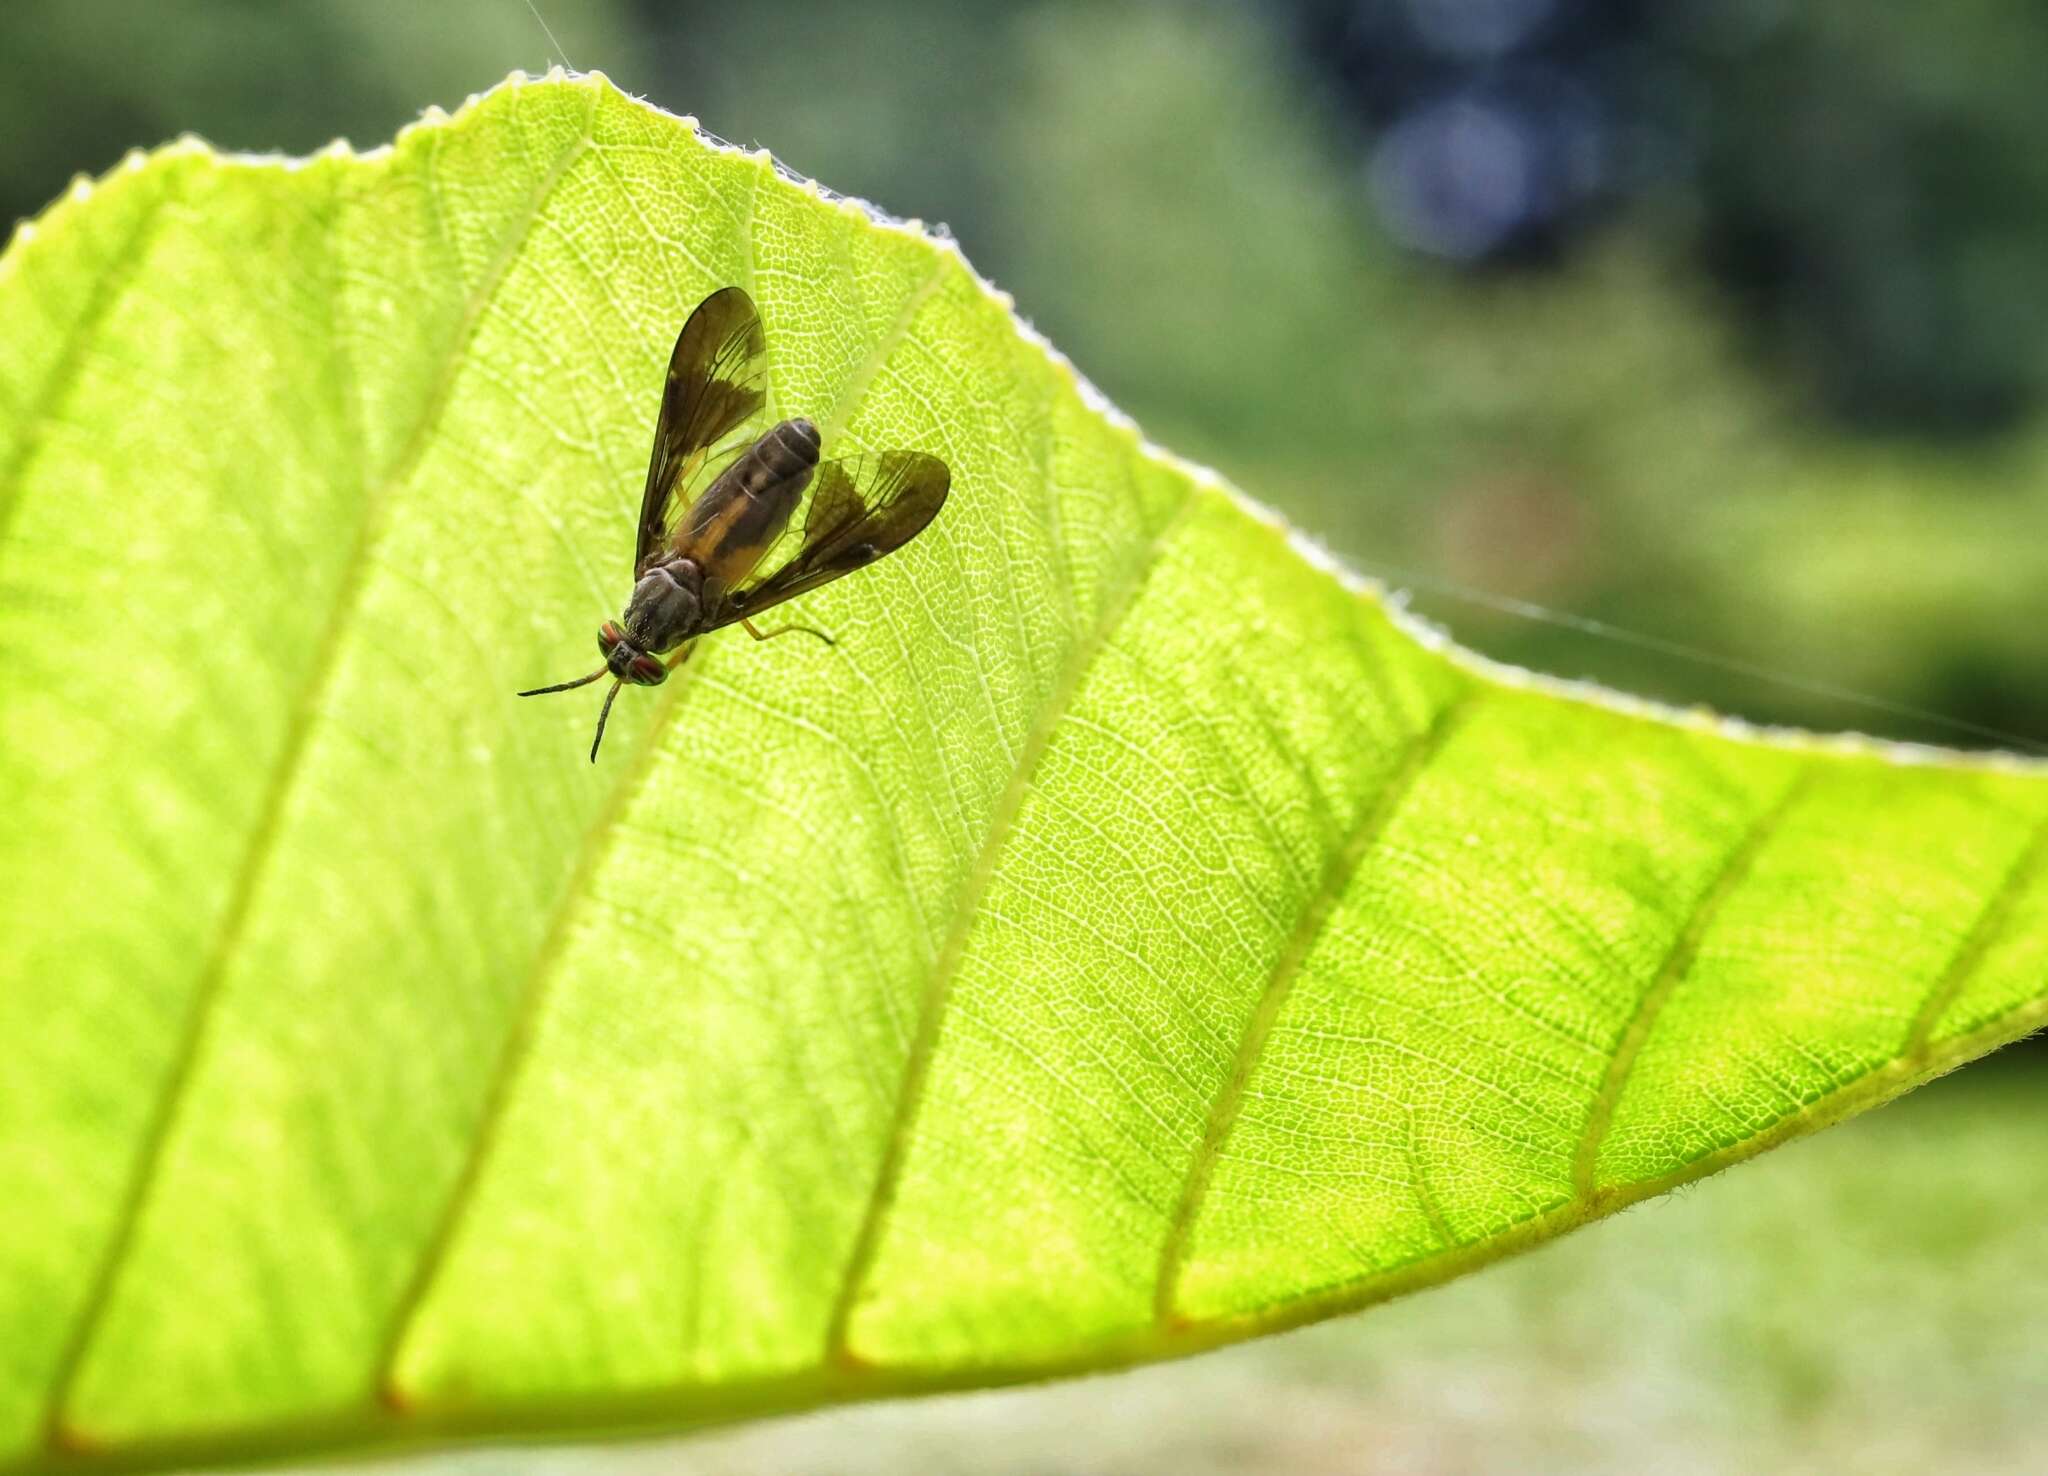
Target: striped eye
[647, 671]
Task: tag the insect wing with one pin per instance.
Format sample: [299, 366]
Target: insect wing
[847, 530]
[713, 384]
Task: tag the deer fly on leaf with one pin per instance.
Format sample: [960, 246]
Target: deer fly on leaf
[696, 555]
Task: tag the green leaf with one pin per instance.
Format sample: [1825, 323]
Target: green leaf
[1130, 937]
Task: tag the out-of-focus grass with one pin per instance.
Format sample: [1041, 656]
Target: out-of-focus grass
[1868, 1300]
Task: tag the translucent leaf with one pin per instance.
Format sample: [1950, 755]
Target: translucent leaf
[1129, 937]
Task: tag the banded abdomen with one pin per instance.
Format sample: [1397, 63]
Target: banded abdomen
[742, 513]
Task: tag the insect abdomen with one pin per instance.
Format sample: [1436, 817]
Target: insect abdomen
[790, 449]
[742, 513]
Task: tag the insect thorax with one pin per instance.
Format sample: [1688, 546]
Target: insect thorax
[666, 607]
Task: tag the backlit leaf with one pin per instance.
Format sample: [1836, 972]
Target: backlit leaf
[1129, 937]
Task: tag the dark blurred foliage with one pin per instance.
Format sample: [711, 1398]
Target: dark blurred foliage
[1720, 320]
[1868, 178]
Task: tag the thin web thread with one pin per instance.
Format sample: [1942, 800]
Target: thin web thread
[1393, 574]
[549, 32]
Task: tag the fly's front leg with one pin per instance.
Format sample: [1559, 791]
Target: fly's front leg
[682, 654]
[783, 630]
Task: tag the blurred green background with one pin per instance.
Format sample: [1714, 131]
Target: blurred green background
[1724, 321]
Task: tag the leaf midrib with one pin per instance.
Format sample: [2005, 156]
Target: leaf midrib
[368, 1429]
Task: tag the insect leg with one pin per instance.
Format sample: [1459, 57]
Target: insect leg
[783, 630]
[682, 654]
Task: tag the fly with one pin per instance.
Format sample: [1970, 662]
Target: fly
[697, 556]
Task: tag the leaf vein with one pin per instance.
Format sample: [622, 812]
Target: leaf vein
[598, 841]
[1970, 954]
[1080, 660]
[270, 824]
[1372, 822]
[71, 361]
[863, 375]
[1678, 962]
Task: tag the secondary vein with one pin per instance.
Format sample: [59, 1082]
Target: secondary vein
[270, 824]
[386, 1380]
[1336, 880]
[1970, 954]
[938, 984]
[1678, 962]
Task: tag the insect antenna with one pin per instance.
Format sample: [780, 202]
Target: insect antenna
[582, 681]
[603, 713]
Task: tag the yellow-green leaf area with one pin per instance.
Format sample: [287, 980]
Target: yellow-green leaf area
[1130, 936]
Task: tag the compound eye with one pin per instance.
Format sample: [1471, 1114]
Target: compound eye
[608, 636]
[647, 671]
